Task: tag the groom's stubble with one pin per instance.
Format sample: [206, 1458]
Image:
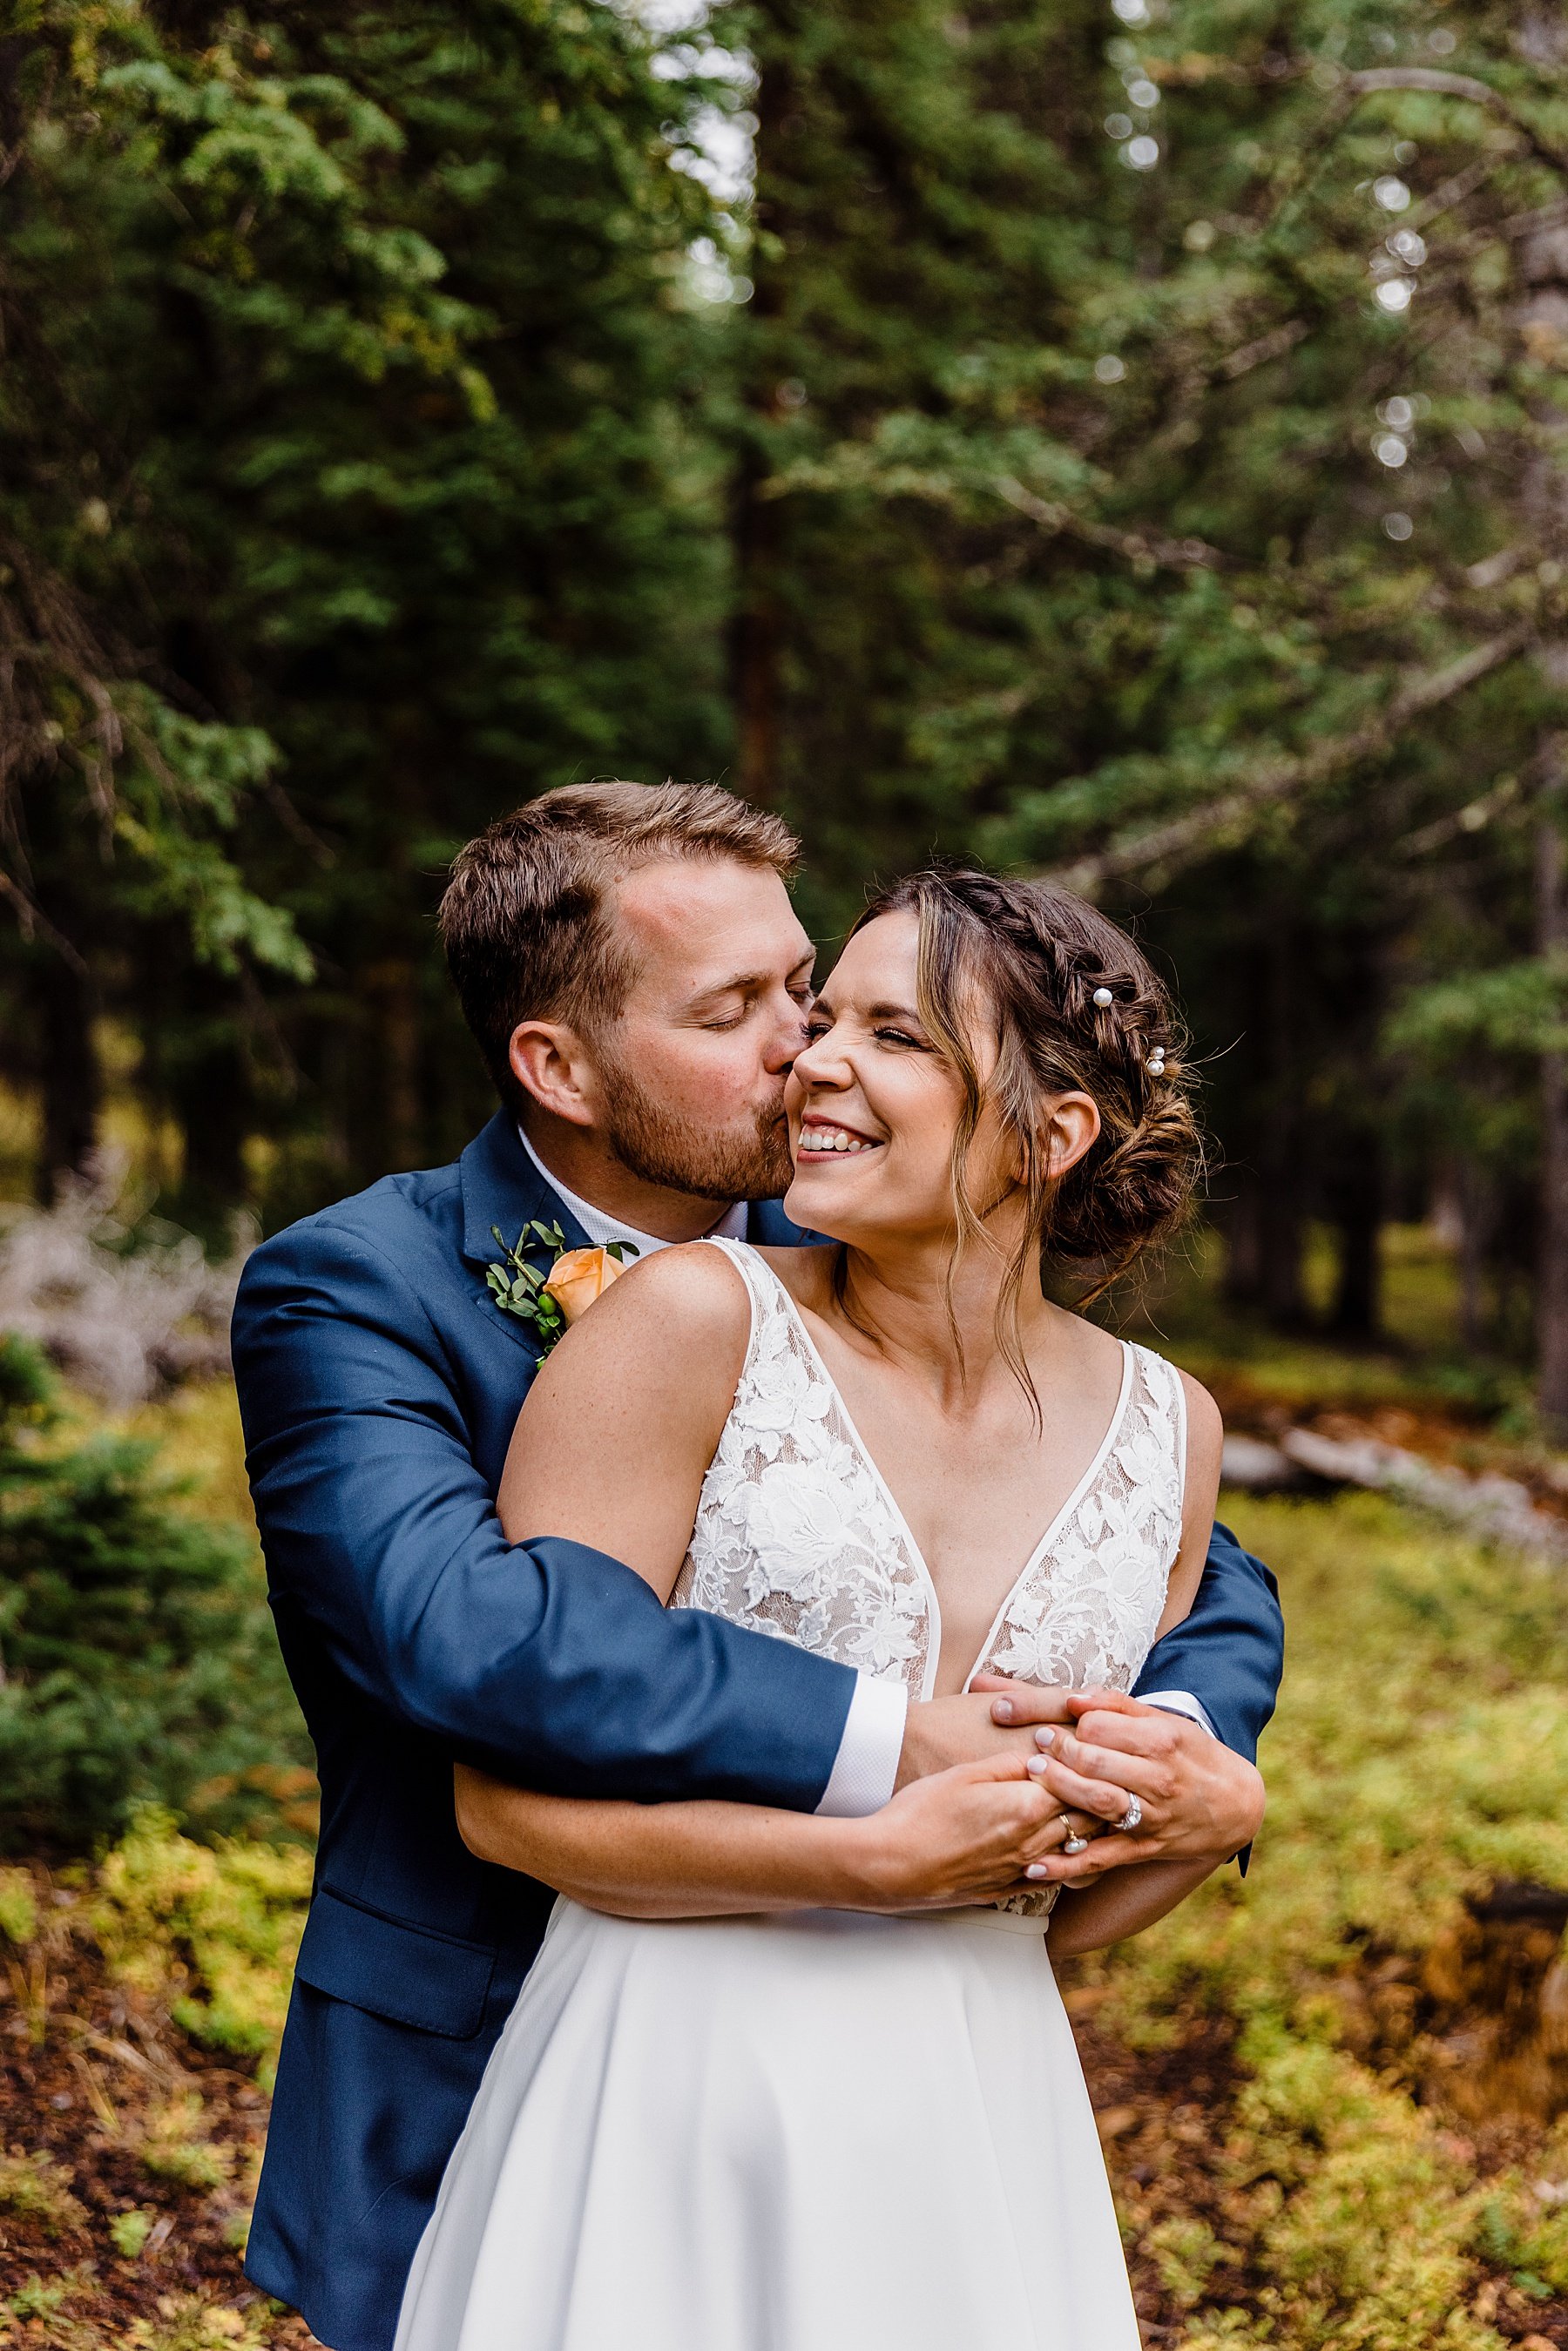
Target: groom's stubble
[747, 1161]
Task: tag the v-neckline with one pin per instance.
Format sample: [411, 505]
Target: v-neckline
[934, 1602]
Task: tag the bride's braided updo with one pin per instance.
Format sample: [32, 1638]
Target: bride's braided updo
[1075, 1009]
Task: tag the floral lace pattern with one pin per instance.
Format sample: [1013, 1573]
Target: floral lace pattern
[1082, 1614]
[797, 1535]
[793, 1533]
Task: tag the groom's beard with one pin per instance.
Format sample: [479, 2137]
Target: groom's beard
[740, 1163]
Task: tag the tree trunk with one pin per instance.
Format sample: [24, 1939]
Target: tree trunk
[1543, 322]
[756, 636]
[1552, 1280]
[1475, 1236]
[1244, 1241]
[212, 1100]
[1356, 1206]
[756, 520]
[1282, 1161]
[393, 990]
[72, 1081]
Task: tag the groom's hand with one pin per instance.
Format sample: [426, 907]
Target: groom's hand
[1200, 1801]
[941, 1732]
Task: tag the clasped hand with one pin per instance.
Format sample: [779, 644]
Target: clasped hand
[1088, 1752]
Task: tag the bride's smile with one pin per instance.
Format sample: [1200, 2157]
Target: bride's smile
[873, 1103]
[876, 1109]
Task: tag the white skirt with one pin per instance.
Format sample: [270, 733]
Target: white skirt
[791, 2134]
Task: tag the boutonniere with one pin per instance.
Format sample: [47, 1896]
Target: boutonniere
[551, 1297]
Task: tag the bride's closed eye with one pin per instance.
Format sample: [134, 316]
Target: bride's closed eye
[818, 1028]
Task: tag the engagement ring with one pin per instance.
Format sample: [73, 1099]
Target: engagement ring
[1130, 1818]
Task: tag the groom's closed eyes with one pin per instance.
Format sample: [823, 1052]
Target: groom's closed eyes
[725, 1004]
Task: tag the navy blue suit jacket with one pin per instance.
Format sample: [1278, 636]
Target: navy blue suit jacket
[378, 1384]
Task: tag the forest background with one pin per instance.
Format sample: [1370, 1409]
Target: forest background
[1126, 439]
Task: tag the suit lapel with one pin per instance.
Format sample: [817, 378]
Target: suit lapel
[503, 1188]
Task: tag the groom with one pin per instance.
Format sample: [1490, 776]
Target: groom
[634, 974]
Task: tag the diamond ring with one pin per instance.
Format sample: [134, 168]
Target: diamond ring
[1130, 1819]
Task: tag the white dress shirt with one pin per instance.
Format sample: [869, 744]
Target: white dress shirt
[866, 1764]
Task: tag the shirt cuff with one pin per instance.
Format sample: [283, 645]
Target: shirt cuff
[866, 1764]
[1180, 1702]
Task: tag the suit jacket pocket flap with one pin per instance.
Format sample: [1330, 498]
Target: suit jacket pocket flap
[402, 1972]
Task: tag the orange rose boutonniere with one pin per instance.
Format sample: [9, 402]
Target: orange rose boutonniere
[551, 1299]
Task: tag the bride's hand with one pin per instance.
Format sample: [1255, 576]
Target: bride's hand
[962, 1835]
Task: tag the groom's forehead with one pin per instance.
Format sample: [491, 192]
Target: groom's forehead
[711, 916]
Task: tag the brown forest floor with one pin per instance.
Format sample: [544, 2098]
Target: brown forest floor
[89, 2076]
[1165, 2115]
[89, 2073]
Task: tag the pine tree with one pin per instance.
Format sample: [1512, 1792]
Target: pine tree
[137, 1662]
[349, 401]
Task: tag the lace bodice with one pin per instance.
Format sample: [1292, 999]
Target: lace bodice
[798, 1535]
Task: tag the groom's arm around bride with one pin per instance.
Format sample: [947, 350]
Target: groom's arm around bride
[380, 1382]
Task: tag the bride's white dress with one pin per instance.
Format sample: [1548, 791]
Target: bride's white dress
[828, 2131]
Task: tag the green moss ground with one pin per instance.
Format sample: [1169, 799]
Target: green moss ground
[1333, 2099]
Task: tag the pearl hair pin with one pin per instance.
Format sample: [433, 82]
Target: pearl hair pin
[1103, 997]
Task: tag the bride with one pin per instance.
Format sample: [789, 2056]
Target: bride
[779, 2083]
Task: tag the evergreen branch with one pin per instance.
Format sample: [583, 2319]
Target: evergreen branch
[1456, 190]
[1460, 823]
[1452, 85]
[1284, 338]
[1260, 350]
[1136, 546]
[1227, 820]
[33, 923]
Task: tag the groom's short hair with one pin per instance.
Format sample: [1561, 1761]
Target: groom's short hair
[526, 918]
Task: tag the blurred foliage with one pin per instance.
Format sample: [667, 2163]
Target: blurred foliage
[208, 1933]
[139, 1660]
[1129, 443]
[345, 426]
[1421, 1756]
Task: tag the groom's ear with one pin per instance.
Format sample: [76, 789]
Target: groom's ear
[554, 1067]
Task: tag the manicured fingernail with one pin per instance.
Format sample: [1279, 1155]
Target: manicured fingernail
[1045, 1738]
[1037, 1765]
[1002, 1711]
[1037, 1869]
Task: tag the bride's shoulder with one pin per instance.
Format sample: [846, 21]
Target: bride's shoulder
[690, 1291]
[683, 1310]
[1205, 1428]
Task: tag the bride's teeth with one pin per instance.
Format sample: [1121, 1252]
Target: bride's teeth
[834, 1138]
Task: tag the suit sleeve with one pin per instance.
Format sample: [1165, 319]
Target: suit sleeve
[551, 1663]
[1230, 1652]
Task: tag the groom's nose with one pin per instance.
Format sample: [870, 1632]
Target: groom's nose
[788, 1037]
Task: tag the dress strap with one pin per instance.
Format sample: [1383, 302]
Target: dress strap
[1164, 1386]
[763, 1287]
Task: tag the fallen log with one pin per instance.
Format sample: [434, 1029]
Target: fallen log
[1494, 1507]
